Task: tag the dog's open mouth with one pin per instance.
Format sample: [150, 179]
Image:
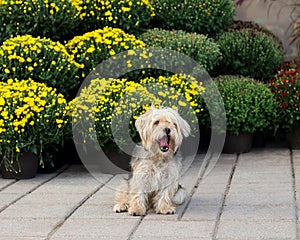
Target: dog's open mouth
[164, 143]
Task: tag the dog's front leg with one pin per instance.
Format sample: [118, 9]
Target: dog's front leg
[163, 200]
[121, 199]
[137, 203]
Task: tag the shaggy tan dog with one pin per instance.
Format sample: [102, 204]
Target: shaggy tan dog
[155, 165]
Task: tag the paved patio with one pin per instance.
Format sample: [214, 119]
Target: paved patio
[247, 196]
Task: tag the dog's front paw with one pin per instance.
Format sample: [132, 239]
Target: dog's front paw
[137, 211]
[166, 209]
[118, 208]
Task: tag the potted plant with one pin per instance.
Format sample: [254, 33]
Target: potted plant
[201, 16]
[33, 120]
[132, 16]
[249, 107]
[91, 48]
[249, 52]
[286, 88]
[56, 19]
[238, 25]
[119, 102]
[199, 47]
[42, 60]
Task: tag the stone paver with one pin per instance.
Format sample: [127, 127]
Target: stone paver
[267, 198]
[6, 182]
[77, 227]
[180, 229]
[263, 212]
[18, 227]
[248, 196]
[245, 229]
[13, 190]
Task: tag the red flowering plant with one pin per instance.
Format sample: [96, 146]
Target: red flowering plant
[286, 87]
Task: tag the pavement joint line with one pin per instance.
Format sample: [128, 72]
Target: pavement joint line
[218, 219]
[72, 211]
[58, 172]
[295, 194]
[8, 185]
[192, 192]
[136, 226]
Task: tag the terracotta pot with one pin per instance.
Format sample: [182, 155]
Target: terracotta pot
[238, 143]
[28, 164]
[293, 138]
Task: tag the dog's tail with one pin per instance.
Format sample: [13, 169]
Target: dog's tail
[180, 195]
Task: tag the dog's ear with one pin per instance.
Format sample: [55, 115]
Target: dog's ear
[142, 124]
[183, 125]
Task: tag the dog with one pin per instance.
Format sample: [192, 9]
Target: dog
[156, 165]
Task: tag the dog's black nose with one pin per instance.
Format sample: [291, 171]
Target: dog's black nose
[167, 131]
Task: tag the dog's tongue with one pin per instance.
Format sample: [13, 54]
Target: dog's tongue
[164, 143]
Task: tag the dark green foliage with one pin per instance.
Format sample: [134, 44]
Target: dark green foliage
[249, 53]
[55, 19]
[249, 105]
[202, 49]
[202, 16]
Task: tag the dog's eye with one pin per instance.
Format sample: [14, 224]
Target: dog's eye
[156, 122]
[175, 125]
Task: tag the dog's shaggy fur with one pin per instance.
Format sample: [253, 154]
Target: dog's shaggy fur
[155, 165]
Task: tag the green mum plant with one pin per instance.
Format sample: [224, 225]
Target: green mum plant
[131, 16]
[249, 52]
[117, 98]
[41, 60]
[56, 19]
[34, 118]
[238, 25]
[92, 48]
[286, 88]
[202, 16]
[249, 105]
[197, 46]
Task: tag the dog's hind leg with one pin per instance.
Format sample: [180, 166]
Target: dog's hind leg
[121, 199]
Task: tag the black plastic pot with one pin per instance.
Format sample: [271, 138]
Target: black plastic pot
[119, 158]
[293, 138]
[238, 143]
[259, 140]
[26, 167]
[190, 146]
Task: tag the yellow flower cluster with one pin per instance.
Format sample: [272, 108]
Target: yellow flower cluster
[107, 100]
[31, 114]
[40, 59]
[93, 47]
[186, 86]
[111, 9]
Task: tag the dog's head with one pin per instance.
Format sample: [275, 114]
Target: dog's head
[162, 130]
